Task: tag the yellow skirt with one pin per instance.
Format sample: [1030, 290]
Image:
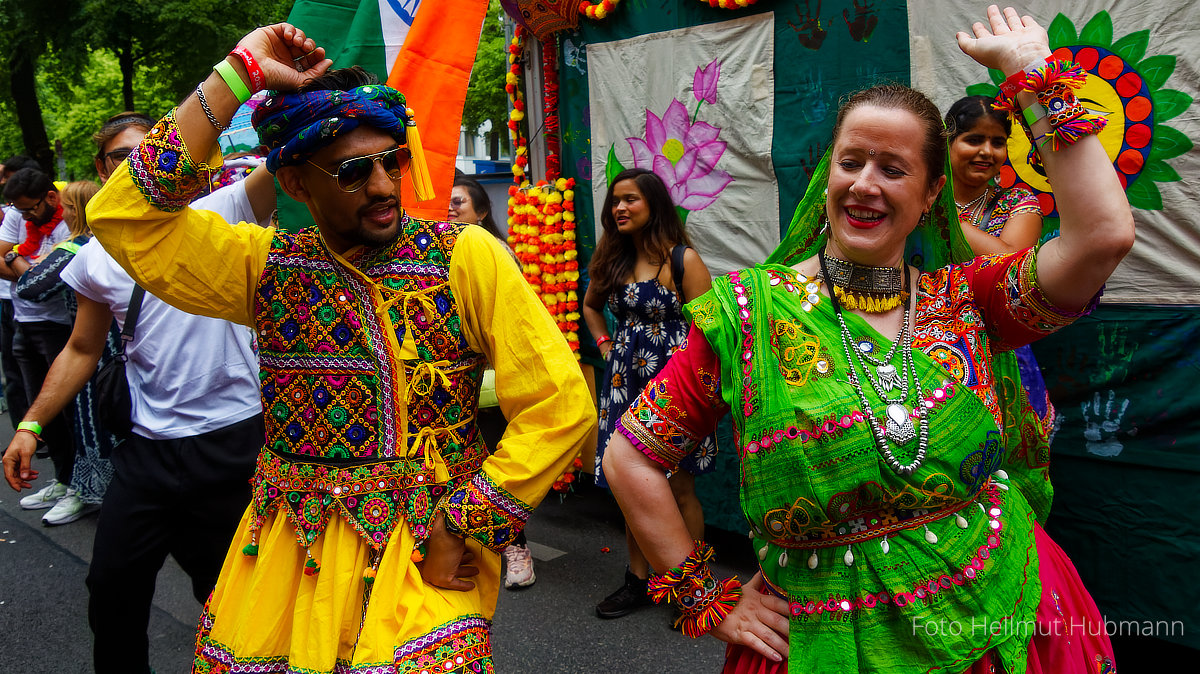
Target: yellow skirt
[267, 615]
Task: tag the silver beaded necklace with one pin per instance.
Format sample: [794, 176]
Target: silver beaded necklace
[898, 424]
[974, 204]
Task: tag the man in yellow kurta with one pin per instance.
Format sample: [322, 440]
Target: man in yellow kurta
[371, 541]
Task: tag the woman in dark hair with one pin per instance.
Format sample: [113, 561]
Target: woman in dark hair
[644, 270]
[469, 202]
[892, 496]
[994, 220]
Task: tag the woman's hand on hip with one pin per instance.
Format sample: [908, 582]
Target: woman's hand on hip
[759, 621]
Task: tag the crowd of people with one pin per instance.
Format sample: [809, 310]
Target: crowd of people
[340, 431]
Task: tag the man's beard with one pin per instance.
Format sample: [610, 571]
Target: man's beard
[376, 239]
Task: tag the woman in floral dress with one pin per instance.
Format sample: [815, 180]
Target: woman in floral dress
[631, 272]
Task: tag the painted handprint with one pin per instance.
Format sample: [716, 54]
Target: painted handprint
[809, 32]
[1116, 356]
[864, 21]
[1101, 432]
[815, 101]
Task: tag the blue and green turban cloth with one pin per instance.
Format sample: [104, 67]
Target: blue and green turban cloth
[295, 126]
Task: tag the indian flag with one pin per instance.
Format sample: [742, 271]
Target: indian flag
[421, 47]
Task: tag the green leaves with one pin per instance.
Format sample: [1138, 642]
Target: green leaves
[1132, 47]
[612, 167]
[1160, 172]
[1156, 69]
[1144, 194]
[1098, 31]
[1061, 32]
[983, 89]
[1169, 103]
[1168, 143]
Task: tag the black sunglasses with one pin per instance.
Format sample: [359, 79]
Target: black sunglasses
[32, 210]
[352, 174]
[118, 155]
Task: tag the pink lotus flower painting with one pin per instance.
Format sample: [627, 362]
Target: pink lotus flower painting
[682, 151]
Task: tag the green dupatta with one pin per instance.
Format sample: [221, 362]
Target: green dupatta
[939, 242]
[853, 591]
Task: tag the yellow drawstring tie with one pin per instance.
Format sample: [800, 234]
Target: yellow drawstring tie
[426, 374]
[425, 445]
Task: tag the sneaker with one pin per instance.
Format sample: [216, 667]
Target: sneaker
[68, 509]
[45, 497]
[519, 571]
[627, 599]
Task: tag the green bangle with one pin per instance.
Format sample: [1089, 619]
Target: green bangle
[31, 426]
[233, 80]
[1034, 113]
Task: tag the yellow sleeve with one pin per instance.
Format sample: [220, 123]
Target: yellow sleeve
[192, 259]
[540, 386]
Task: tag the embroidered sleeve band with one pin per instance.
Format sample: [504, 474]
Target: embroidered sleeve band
[163, 170]
[482, 510]
[1029, 304]
[703, 600]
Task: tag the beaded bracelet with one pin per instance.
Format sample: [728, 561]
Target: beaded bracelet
[208, 111]
[1053, 83]
[256, 74]
[703, 600]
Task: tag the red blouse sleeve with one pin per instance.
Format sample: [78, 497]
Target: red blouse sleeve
[1014, 308]
[679, 407]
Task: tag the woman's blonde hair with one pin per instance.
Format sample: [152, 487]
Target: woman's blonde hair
[79, 193]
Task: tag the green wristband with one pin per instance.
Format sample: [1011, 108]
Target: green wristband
[31, 426]
[1034, 113]
[233, 80]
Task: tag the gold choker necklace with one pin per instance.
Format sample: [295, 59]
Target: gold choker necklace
[874, 290]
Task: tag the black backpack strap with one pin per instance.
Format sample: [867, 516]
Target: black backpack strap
[677, 271]
[131, 318]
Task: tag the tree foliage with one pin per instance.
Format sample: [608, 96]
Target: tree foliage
[77, 50]
[486, 99]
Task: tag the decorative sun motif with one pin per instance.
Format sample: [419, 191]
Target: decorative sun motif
[1123, 85]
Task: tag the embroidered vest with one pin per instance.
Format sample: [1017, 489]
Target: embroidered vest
[352, 430]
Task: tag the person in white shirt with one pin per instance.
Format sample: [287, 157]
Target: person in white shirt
[42, 328]
[14, 384]
[181, 480]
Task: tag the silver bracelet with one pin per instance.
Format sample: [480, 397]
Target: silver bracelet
[208, 111]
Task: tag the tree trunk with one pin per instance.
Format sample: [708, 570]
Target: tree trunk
[23, 87]
[125, 58]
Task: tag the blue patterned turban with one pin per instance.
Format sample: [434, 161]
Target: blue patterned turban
[294, 126]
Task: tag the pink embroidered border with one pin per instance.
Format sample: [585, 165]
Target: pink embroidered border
[840, 607]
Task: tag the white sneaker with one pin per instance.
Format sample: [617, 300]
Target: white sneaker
[45, 497]
[520, 567]
[68, 509]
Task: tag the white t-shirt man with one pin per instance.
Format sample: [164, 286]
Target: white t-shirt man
[55, 310]
[188, 375]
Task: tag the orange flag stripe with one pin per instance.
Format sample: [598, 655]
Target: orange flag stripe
[432, 70]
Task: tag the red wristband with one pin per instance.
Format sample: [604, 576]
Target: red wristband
[602, 340]
[256, 73]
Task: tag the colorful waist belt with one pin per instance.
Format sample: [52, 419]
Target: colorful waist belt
[371, 494]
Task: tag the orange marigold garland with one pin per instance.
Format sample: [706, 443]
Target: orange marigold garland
[599, 10]
[516, 97]
[729, 4]
[541, 217]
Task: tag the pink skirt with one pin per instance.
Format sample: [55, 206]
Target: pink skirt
[1070, 639]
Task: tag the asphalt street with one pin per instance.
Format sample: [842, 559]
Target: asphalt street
[549, 627]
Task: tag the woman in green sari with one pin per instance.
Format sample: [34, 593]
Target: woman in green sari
[892, 499]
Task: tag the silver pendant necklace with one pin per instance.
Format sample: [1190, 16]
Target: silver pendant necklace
[897, 424]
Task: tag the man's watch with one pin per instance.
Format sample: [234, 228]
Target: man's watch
[11, 255]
